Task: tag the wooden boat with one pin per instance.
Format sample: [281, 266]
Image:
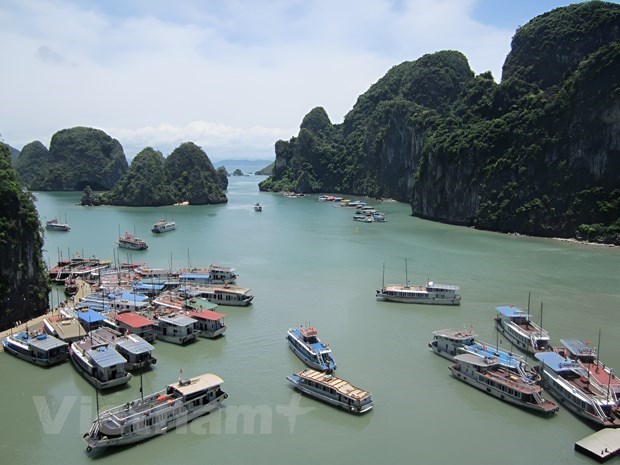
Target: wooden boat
[332, 390]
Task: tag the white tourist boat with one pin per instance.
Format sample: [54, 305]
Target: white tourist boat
[223, 294]
[156, 414]
[568, 381]
[334, 391]
[56, 225]
[41, 348]
[304, 342]
[100, 364]
[163, 226]
[130, 241]
[517, 326]
[489, 375]
[258, 207]
[136, 351]
[430, 293]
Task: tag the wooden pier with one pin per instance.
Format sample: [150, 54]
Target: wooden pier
[601, 446]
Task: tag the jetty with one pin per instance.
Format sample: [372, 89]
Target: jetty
[601, 446]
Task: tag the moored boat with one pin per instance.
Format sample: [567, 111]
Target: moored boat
[332, 390]
[41, 349]
[163, 226]
[136, 351]
[224, 294]
[489, 375]
[100, 364]
[175, 328]
[143, 418]
[130, 241]
[56, 225]
[304, 342]
[568, 381]
[517, 326]
[209, 324]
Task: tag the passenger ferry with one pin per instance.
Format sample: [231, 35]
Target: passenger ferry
[449, 343]
[143, 418]
[517, 327]
[431, 293]
[130, 241]
[334, 391]
[136, 351]
[309, 348]
[489, 375]
[584, 353]
[40, 349]
[568, 381]
[224, 294]
[100, 364]
[56, 225]
[163, 226]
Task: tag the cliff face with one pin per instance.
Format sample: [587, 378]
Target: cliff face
[536, 154]
[77, 157]
[24, 285]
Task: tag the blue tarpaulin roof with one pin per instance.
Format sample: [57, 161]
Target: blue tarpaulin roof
[90, 316]
[510, 311]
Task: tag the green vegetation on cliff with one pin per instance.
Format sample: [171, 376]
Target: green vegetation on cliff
[537, 154]
[24, 284]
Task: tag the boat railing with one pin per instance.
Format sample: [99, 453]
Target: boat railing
[526, 386]
[151, 405]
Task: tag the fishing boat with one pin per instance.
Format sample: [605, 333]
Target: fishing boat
[569, 382]
[258, 207]
[38, 348]
[587, 356]
[430, 293]
[130, 241]
[449, 343]
[99, 363]
[163, 226]
[156, 414]
[137, 352]
[333, 390]
[489, 375]
[305, 343]
[56, 225]
[516, 326]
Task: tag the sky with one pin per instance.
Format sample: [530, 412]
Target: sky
[232, 76]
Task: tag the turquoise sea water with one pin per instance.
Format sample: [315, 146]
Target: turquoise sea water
[307, 261]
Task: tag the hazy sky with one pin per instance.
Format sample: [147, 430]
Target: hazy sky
[233, 76]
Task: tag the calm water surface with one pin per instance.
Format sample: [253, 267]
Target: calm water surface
[307, 261]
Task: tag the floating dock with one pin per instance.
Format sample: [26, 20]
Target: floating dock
[601, 446]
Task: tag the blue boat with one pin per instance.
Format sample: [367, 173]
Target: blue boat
[308, 347]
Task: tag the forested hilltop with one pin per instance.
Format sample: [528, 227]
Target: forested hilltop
[24, 284]
[87, 159]
[537, 154]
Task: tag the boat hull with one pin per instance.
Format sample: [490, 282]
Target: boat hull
[180, 340]
[308, 359]
[456, 300]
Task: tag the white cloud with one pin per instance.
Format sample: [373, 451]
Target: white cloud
[231, 76]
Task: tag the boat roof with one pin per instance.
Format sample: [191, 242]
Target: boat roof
[66, 328]
[554, 361]
[135, 345]
[148, 286]
[206, 315]
[46, 342]
[199, 304]
[105, 356]
[450, 287]
[177, 320]
[578, 348]
[127, 296]
[339, 384]
[197, 384]
[455, 333]
[133, 319]
[510, 311]
[194, 275]
[90, 316]
[476, 360]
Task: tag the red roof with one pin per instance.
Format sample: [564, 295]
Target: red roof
[133, 320]
[207, 315]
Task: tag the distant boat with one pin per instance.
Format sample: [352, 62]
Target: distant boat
[40, 349]
[143, 418]
[430, 293]
[310, 349]
[56, 225]
[334, 391]
[163, 226]
[130, 241]
[258, 207]
[223, 294]
[489, 375]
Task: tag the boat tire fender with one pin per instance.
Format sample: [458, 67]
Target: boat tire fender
[89, 449]
[225, 396]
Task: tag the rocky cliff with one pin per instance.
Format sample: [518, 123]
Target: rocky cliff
[536, 154]
[24, 285]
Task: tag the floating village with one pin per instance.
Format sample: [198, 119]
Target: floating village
[114, 312]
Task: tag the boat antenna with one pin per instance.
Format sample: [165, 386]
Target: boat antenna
[406, 274]
[383, 281]
[598, 349]
[529, 294]
[541, 319]
[141, 388]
